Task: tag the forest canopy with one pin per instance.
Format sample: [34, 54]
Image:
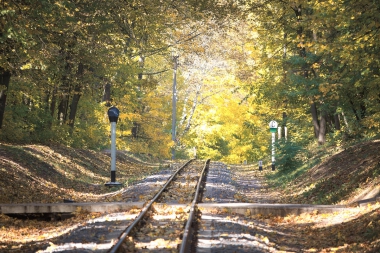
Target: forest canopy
[313, 66]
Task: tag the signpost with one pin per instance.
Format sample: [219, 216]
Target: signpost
[273, 129]
[260, 165]
[113, 115]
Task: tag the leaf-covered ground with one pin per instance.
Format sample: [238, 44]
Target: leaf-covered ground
[42, 174]
[34, 173]
[354, 230]
[350, 175]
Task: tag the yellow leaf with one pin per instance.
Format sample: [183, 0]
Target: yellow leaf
[266, 240]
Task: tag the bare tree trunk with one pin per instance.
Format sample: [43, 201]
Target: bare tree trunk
[5, 77]
[76, 97]
[53, 101]
[74, 105]
[63, 105]
[107, 94]
[184, 112]
[314, 115]
[337, 121]
[135, 129]
[346, 122]
[195, 103]
[135, 125]
[46, 100]
[64, 91]
[322, 129]
[284, 127]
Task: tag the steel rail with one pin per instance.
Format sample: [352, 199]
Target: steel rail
[186, 238]
[126, 232]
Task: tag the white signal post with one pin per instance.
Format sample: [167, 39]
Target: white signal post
[273, 129]
[113, 115]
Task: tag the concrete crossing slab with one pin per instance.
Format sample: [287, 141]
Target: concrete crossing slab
[45, 208]
[270, 209]
[240, 208]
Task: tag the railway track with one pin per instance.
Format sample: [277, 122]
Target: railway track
[166, 221]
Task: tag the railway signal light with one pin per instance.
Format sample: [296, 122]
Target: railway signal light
[113, 115]
[273, 129]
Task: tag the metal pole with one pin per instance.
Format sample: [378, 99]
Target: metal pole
[113, 115]
[113, 152]
[273, 155]
[174, 104]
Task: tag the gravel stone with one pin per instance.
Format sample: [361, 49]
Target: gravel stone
[218, 232]
[147, 187]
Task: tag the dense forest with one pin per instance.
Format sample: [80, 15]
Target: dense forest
[224, 68]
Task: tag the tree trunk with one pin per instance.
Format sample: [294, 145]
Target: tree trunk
[184, 111]
[322, 129]
[136, 125]
[53, 101]
[355, 111]
[363, 107]
[314, 115]
[46, 100]
[107, 94]
[336, 121]
[284, 127]
[135, 129]
[195, 104]
[63, 105]
[346, 122]
[76, 97]
[65, 95]
[319, 125]
[5, 77]
[74, 104]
